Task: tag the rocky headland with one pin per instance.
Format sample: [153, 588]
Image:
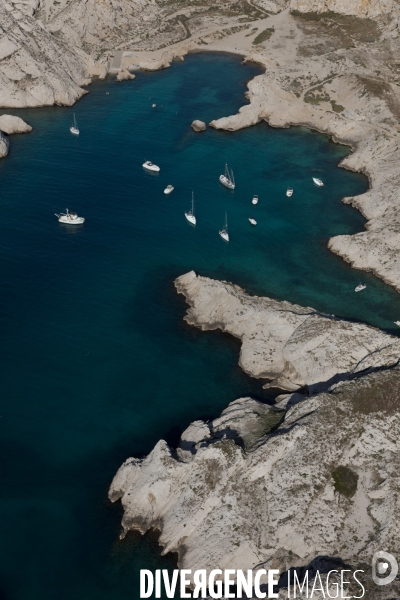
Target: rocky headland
[277, 486]
[290, 346]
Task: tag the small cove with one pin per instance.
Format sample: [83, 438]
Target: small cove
[98, 364]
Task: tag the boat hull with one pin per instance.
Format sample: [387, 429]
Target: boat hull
[318, 182]
[152, 168]
[190, 218]
[168, 190]
[66, 221]
[74, 131]
[226, 182]
[224, 236]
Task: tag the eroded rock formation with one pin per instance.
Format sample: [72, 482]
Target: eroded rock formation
[292, 346]
[248, 492]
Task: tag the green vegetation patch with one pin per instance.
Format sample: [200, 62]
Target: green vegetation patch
[337, 107]
[264, 36]
[346, 29]
[345, 481]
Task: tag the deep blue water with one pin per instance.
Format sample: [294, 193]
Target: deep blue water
[97, 364]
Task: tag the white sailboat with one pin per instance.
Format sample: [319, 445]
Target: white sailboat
[190, 216]
[224, 232]
[360, 288]
[227, 179]
[74, 129]
[70, 218]
[318, 182]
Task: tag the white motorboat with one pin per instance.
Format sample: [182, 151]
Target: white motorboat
[74, 129]
[360, 288]
[224, 232]
[252, 221]
[153, 105]
[255, 199]
[227, 179]
[397, 323]
[150, 167]
[289, 192]
[169, 189]
[190, 216]
[70, 218]
[318, 182]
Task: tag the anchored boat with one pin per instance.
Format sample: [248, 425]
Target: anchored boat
[70, 218]
[190, 216]
[227, 179]
[318, 182]
[169, 189]
[360, 288]
[255, 199]
[252, 221]
[289, 192]
[151, 167]
[74, 129]
[224, 232]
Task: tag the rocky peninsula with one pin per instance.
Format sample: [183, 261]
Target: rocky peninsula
[277, 486]
[290, 346]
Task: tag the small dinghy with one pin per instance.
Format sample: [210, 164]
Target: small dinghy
[70, 218]
[224, 232]
[169, 189]
[252, 221]
[255, 199]
[227, 179]
[318, 182]
[150, 167]
[397, 323]
[360, 288]
[289, 192]
[74, 129]
[190, 216]
[153, 105]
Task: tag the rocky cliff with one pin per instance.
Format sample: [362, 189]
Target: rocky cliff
[245, 491]
[278, 486]
[291, 346]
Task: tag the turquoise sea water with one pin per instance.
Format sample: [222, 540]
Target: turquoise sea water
[97, 364]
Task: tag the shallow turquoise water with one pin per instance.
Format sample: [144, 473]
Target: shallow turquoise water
[97, 362]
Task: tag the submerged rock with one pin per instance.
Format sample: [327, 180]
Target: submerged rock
[198, 126]
[10, 124]
[291, 346]
[4, 145]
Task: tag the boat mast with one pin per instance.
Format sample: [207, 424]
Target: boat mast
[232, 178]
[226, 222]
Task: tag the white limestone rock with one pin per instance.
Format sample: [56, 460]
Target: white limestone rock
[358, 8]
[291, 346]
[198, 126]
[324, 483]
[10, 124]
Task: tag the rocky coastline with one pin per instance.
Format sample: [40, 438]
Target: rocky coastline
[329, 65]
[277, 486]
